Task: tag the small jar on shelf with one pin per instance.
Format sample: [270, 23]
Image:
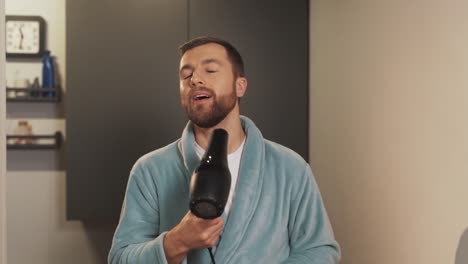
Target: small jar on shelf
[23, 129]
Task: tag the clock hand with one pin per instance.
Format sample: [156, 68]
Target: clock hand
[22, 38]
[21, 32]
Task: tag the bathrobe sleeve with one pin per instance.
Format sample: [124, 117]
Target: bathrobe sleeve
[136, 239]
[310, 233]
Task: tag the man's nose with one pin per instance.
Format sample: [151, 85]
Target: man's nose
[196, 79]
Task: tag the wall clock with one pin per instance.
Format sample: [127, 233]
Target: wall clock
[25, 36]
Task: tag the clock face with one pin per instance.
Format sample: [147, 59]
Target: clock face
[24, 36]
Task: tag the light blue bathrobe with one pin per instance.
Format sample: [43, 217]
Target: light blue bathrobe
[277, 214]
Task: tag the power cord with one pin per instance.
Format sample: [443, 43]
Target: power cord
[212, 257]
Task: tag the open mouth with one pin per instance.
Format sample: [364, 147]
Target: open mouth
[200, 97]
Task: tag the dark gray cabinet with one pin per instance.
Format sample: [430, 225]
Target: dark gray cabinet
[122, 97]
[273, 38]
[122, 102]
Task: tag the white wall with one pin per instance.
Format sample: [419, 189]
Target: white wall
[3, 252]
[37, 228]
[53, 11]
[389, 126]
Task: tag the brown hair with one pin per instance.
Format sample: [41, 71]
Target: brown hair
[234, 56]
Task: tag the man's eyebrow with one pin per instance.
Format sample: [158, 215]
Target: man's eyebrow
[204, 62]
[186, 67]
[208, 61]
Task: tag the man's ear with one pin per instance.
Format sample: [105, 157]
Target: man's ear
[241, 86]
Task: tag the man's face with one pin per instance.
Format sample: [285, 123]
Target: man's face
[207, 85]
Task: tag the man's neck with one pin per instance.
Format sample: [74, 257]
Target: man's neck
[233, 127]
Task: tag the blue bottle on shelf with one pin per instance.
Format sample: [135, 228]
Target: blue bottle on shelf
[48, 74]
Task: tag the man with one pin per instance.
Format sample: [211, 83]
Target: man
[274, 212]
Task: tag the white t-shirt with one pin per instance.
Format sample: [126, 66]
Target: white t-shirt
[233, 163]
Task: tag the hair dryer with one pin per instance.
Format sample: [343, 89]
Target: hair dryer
[211, 181]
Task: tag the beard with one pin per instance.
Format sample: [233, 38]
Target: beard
[207, 116]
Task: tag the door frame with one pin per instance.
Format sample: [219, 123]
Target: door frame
[3, 229]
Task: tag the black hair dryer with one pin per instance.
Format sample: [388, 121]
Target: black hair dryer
[211, 181]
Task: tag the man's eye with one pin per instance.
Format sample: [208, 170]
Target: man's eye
[187, 76]
[211, 71]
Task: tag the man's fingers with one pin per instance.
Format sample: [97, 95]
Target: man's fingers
[210, 235]
[208, 222]
[212, 238]
[214, 227]
[199, 232]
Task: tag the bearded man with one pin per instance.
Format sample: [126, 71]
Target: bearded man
[274, 212]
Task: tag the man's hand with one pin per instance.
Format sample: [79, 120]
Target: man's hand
[192, 232]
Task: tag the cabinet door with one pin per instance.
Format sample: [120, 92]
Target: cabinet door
[273, 38]
[122, 96]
